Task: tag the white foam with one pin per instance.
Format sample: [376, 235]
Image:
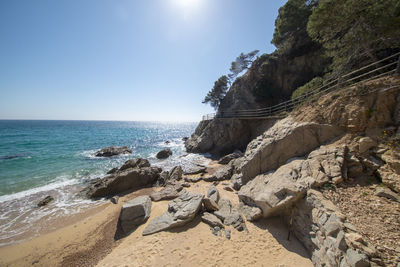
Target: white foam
[48, 187]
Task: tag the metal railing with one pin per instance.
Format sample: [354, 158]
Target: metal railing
[369, 72]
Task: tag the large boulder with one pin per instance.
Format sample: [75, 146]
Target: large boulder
[274, 192]
[134, 213]
[180, 211]
[128, 180]
[113, 151]
[285, 140]
[163, 154]
[229, 215]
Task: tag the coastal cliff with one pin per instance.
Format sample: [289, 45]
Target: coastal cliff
[300, 166]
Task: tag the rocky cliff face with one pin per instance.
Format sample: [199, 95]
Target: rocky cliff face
[270, 80]
[348, 138]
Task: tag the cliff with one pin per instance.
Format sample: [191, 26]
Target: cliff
[270, 80]
[323, 168]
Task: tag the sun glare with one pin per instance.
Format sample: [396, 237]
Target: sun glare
[187, 4]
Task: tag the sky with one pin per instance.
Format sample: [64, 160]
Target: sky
[134, 60]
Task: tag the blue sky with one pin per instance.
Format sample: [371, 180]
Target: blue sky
[149, 60]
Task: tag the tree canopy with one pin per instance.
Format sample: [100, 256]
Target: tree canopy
[352, 30]
[290, 32]
[217, 93]
[241, 63]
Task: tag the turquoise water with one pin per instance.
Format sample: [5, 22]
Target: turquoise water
[36, 153]
[40, 158]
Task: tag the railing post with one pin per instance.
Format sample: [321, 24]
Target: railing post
[397, 72]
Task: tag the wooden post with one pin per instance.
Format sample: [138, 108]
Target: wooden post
[397, 72]
[290, 223]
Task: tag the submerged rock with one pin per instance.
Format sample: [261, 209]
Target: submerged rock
[45, 201]
[113, 151]
[163, 154]
[180, 211]
[134, 213]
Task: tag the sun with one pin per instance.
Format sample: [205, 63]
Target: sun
[187, 4]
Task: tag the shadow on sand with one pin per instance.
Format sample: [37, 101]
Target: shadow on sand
[279, 231]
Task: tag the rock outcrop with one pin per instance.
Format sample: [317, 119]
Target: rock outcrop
[276, 191]
[285, 140]
[134, 213]
[113, 151]
[323, 230]
[127, 180]
[180, 211]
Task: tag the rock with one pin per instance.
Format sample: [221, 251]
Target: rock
[194, 169]
[45, 201]
[184, 139]
[113, 170]
[211, 220]
[167, 193]
[229, 215]
[228, 188]
[135, 163]
[176, 173]
[386, 192]
[113, 151]
[275, 191]
[228, 234]
[366, 143]
[226, 159]
[185, 184]
[271, 150]
[251, 213]
[194, 179]
[167, 142]
[390, 178]
[134, 213]
[130, 179]
[216, 231]
[210, 205]
[163, 154]
[332, 225]
[213, 193]
[355, 259]
[221, 174]
[180, 211]
[163, 178]
[114, 199]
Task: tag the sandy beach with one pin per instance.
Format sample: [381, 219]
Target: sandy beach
[91, 240]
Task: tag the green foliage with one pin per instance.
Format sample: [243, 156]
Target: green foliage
[351, 30]
[311, 85]
[221, 86]
[290, 33]
[241, 63]
[217, 93]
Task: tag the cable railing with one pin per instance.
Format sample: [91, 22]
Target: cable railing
[366, 73]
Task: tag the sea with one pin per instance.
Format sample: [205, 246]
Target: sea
[57, 158]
